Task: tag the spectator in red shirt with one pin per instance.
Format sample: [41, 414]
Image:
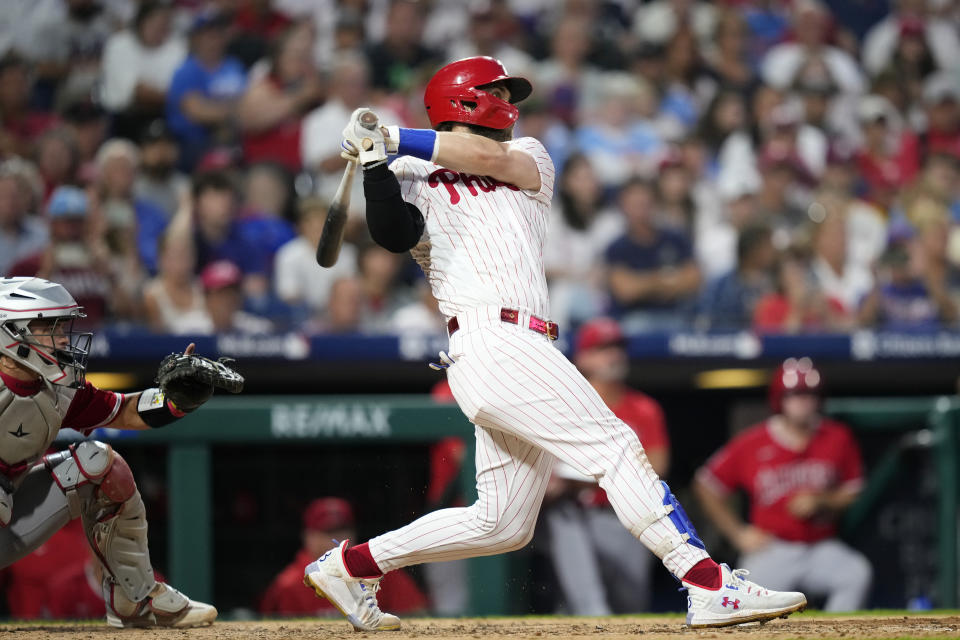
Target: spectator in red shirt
[601, 568]
[800, 471]
[19, 124]
[325, 519]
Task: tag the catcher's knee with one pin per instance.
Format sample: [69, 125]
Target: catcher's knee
[93, 462]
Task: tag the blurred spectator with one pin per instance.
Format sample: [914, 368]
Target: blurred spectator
[941, 99]
[77, 256]
[651, 270]
[725, 116]
[780, 195]
[489, 31]
[729, 301]
[320, 134]
[729, 56]
[382, 296]
[87, 124]
[887, 160]
[22, 232]
[255, 27]
[66, 50]
[344, 311]
[205, 89]
[158, 181]
[835, 273]
[908, 37]
[224, 300]
[58, 159]
[810, 26]
[601, 568]
[400, 61]
[268, 200]
[618, 140]
[138, 66]
[687, 86]
[716, 229]
[271, 111]
[174, 300]
[676, 197]
[419, 317]
[117, 163]
[565, 79]
[800, 471]
[659, 21]
[21, 122]
[326, 520]
[581, 227]
[798, 305]
[299, 279]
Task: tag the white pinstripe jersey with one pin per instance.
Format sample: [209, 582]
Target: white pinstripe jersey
[483, 239]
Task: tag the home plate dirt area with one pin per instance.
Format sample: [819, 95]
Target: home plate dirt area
[799, 626]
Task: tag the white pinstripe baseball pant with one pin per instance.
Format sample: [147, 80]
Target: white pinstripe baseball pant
[530, 406]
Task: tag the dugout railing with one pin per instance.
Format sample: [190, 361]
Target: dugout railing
[259, 420]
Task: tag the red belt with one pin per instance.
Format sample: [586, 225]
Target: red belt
[546, 327]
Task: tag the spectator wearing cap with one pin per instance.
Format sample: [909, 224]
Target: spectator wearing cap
[22, 123]
[221, 282]
[810, 24]
[910, 24]
[22, 233]
[137, 68]
[651, 271]
[729, 301]
[204, 91]
[77, 256]
[158, 181]
[600, 567]
[581, 227]
[298, 279]
[325, 521]
[271, 111]
[887, 160]
[941, 100]
[117, 163]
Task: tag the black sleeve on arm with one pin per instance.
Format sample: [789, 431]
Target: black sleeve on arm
[394, 224]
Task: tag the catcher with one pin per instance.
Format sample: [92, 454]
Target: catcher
[42, 389]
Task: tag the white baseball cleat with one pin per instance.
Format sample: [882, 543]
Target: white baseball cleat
[355, 598]
[164, 607]
[738, 601]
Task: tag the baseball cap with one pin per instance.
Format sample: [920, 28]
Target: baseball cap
[940, 87]
[599, 332]
[327, 514]
[67, 202]
[874, 107]
[220, 275]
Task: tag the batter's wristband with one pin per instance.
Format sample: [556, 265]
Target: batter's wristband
[419, 143]
[155, 410]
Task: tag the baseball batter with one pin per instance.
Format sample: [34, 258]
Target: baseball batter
[42, 389]
[472, 205]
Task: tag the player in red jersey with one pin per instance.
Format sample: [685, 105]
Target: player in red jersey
[800, 471]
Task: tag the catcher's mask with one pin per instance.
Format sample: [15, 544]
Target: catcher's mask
[36, 330]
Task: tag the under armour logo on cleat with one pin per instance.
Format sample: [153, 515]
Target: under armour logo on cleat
[19, 433]
[728, 602]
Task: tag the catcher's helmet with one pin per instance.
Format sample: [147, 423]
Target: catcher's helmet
[24, 301]
[794, 376]
[455, 94]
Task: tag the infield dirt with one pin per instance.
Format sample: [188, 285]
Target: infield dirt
[796, 627]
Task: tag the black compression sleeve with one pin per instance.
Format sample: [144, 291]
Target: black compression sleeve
[394, 224]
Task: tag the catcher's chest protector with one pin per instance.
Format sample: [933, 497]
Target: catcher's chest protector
[28, 424]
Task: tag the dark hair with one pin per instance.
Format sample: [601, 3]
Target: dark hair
[708, 131]
[637, 181]
[147, 9]
[750, 238]
[573, 215]
[499, 135]
[212, 181]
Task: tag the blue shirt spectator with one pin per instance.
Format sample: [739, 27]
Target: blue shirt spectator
[728, 302]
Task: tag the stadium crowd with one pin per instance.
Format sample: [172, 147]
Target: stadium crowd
[781, 166]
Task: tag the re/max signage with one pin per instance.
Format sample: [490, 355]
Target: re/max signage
[306, 420]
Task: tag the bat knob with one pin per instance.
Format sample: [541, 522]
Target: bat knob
[368, 120]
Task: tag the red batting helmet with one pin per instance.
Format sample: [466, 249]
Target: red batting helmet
[794, 376]
[455, 94]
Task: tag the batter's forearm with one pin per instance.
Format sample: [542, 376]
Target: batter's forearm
[394, 224]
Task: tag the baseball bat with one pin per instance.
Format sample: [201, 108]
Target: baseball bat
[331, 237]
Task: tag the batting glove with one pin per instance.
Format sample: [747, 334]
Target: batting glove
[368, 144]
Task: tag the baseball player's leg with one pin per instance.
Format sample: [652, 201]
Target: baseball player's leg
[513, 380]
[840, 572]
[97, 484]
[39, 510]
[625, 563]
[574, 561]
[512, 476]
[779, 565]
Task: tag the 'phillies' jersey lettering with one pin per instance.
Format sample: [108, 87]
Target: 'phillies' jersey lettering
[449, 178]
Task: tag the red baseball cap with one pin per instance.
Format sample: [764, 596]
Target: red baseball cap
[599, 332]
[220, 274]
[328, 514]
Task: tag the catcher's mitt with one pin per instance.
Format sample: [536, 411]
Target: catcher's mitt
[188, 380]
